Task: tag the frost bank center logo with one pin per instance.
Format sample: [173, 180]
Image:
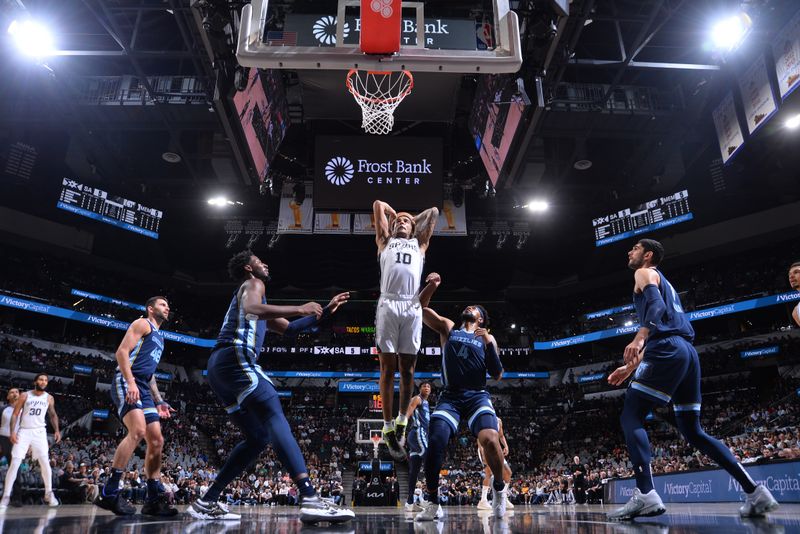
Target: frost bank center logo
[339, 171]
[325, 30]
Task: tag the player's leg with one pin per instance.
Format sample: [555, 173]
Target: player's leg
[388, 363]
[417, 446]
[483, 504]
[409, 342]
[134, 421]
[156, 503]
[406, 364]
[40, 451]
[18, 452]
[489, 439]
[444, 423]
[686, 404]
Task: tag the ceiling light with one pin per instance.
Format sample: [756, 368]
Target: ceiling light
[222, 202]
[171, 157]
[793, 121]
[582, 164]
[31, 38]
[729, 33]
[538, 206]
[628, 323]
[513, 326]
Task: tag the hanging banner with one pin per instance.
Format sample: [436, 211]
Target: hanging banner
[364, 224]
[295, 218]
[331, 223]
[729, 132]
[452, 220]
[786, 51]
[759, 102]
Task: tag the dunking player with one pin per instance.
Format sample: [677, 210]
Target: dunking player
[794, 281]
[667, 370]
[248, 394]
[30, 410]
[140, 407]
[5, 434]
[484, 504]
[468, 353]
[419, 412]
[402, 241]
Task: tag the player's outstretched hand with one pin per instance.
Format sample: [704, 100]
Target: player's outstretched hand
[632, 351]
[165, 411]
[311, 308]
[337, 301]
[483, 333]
[433, 278]
[619, 375]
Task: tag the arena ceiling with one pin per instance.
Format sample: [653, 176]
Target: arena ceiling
[626, 84]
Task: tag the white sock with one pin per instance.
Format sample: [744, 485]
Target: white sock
[484, 492]
[11, 477]
[388, 425]
[402, 419]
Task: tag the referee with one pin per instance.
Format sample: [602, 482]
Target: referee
[5, 432]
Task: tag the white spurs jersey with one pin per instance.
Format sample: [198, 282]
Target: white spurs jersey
[401, 267]
[34, 410]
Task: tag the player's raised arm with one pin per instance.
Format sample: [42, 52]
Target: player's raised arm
[252, 301]
[425, 224]
[136, 331]
[383, 213]
[437, 323]
[290, 329]
[493, 364]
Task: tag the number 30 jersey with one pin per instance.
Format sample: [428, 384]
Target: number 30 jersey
[401, 268]
[34, 410]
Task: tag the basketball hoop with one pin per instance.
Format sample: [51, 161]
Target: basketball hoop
[378, 93]
[376, 441]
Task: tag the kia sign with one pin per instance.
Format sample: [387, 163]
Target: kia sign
[352, 172]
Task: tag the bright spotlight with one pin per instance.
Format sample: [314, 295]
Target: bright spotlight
[628, 323]
[31, 38]
[793, 121]
[222, 202]
[729, 33]
[538, 206]
[513, 326]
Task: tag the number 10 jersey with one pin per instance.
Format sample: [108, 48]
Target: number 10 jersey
[401, 268]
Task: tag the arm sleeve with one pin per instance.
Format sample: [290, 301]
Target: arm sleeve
[304, 324]
[654, 306]
[493, 364]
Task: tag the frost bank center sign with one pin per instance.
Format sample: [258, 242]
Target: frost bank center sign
[351, 172]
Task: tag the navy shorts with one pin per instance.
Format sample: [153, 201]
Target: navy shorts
[417, 442]
[670, 372]
[145, 403]
[469, 405]
[234, 377]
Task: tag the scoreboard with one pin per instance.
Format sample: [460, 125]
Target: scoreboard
[647, 217]
[97, 204]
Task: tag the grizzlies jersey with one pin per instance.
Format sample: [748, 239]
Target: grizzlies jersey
[34, 410]
[463, 362]
[421, 417]
[147, 353]
[243, 332]
[673, 322]
[401, 268]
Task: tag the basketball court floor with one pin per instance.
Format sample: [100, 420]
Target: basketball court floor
[680, 518]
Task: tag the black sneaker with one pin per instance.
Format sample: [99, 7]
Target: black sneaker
[201, 509]
[160, 507]
[395, 449]
[115, 503]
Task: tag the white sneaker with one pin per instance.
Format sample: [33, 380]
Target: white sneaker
[758, 503]
[4, 502]
[640, 504]
[509, 505]
[412, 508]
[430, 512]
[484, 504]
[316, 509]
[50, 500]
[498, 501]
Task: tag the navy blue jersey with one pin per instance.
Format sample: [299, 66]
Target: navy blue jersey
[673, 322]
[147, 353]
[463, 361]
[243, 332]
[421, 417]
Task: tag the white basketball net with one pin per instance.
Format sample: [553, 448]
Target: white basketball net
[378, 94]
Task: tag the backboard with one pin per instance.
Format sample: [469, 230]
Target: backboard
[266, 41]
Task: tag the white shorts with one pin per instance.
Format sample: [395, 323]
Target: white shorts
[398, 325]
[34, 439]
